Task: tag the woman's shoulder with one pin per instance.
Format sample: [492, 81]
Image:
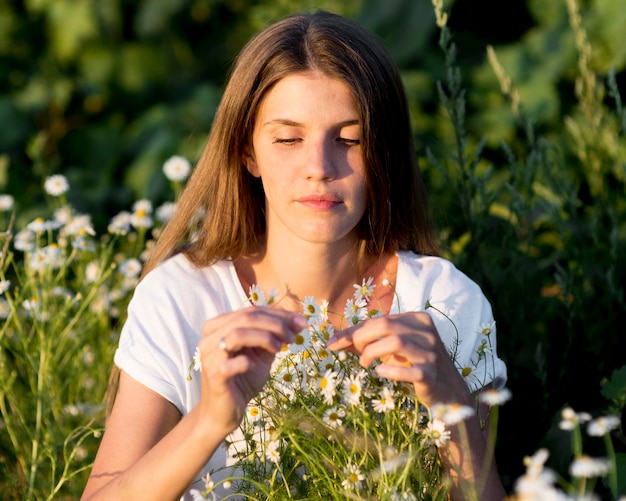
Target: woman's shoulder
[427, 277]
[177, 275]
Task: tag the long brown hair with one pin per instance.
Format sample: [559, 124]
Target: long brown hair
[220, 213]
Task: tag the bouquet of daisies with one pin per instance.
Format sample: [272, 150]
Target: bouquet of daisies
[326, 428]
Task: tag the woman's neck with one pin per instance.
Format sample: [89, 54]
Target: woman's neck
[322, 271]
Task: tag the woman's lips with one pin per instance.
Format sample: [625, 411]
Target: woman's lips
[320, 201]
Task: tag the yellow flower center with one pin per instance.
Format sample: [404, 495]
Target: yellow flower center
[466, 371]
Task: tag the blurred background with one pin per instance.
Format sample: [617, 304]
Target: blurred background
[104, 92]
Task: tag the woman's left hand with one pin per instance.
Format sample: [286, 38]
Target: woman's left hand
[410, 349]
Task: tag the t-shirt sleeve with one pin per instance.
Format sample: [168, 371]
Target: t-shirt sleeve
[466, 324]
[153, 347]
[462, 315]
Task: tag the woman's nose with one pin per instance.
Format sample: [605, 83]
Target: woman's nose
[320, 161]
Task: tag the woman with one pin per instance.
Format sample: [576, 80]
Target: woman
[308, 182]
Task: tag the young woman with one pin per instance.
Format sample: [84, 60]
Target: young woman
[308, 183]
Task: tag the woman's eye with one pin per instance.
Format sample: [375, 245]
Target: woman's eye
[349, 142]
[284, 140]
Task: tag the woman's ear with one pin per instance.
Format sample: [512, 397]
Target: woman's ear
[250, 162]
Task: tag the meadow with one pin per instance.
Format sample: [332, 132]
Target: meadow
[529, 197]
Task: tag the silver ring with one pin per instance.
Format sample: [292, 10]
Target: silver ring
[223, 346]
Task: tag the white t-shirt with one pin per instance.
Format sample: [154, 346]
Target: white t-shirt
[170, 305]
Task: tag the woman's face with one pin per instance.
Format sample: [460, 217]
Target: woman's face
[306, 150]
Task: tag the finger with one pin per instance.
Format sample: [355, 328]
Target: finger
[263, 317]
[341, 340]
[409, 372]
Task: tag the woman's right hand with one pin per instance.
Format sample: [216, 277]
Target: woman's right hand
[236, 354]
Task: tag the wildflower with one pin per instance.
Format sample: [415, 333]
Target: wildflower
[466, 371]
[254, 413]
[301, 342]
[493, 397]
[5, 308]
[587, 467]
[6, 203]
[257, 296]
[365, 290]
[63, 215]
[386, 282]
[176, 168]
[437, 432]
[487, 328]
[571, 419]
[353, 388]
[451, 414]
[310, 309]
[79, 225]
[92, 271]
[328, 385]
[165, 212]
[39, 225]
[386, 402]
[272, 452]
[355, 311]
[83, 244]
[197, 360]
[46, 257]
[333, 416]
[25, 241]
[142, 214]
[120, 224]
[56, 185]
[603, 425]
[207, 494]
[130, 268]
[4, 286]
[353, 478]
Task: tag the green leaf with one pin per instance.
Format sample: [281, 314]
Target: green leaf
[614, 389]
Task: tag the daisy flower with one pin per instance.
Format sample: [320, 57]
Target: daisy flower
[493, 397]
[120, 224]
[328, 385]
[79, 225]
[272, 452]
[56, 185]
[588, 467]
[355, 311]
[386, 402]
[353, 388]
[130, 268]
[4, 286]
[254, 413]
[6, 203]
[602, 425]
[333, 417]
[165, 211]
[257, 296]
[83, 244]
[301, 342]
[310, 309]
[437, 432]
[142, 214]
[570, 419]
[365, 290]
[25, 241]
[176, 168]
[486, 329]
[197, 360]
[451, 414]
[353, 478]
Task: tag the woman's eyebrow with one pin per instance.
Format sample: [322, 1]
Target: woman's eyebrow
[293, 123]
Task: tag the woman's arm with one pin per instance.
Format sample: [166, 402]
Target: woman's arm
[148, 451]
[411, 350]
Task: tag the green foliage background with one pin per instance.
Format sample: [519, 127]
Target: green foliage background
[531, 205]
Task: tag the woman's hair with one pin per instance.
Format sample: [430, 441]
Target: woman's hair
[220, 214]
